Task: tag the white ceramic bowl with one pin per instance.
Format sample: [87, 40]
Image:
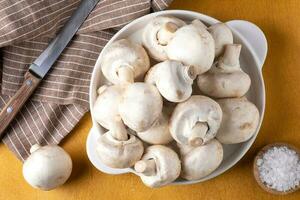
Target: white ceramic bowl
[254, 50]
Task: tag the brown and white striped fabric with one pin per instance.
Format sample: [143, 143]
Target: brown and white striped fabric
[26, 27]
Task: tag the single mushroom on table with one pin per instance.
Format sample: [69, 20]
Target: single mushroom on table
[140, 106]
[239, 122]
[173, 80]
[105, 109]
[124, 61]
[195, 121]
[47, 167]
[222, 36]
[198, 162]
[160, 165]
[225, 79]
[158, 33]
[159, 132]
[118, 149]
[194, 46]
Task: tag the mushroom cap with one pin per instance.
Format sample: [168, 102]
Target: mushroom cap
[224, 85]
[159, 133]
[222, 36]
[239, 122]
[47, 167]
[140, 106]
[124, 53]
[151, 36]
[198, 162]
[187, 115]
[119, 154]
[106, 105]
[225, 79]
[167, 166]
[172, 79]
[194, 46]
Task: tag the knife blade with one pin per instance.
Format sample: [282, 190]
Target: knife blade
[44, 62]
[39, 68]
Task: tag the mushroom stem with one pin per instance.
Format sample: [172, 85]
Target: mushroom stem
[199, 24]
[102, 89]
[126, 74]
[34, 148]
[165, 34]
[231, 54]
[197, 134]
[189, 73]
[146, 167]
[118, 130]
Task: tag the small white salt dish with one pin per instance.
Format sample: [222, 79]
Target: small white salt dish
[258, 161]
[253, 54]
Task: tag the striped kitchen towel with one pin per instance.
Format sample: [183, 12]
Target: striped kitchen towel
[26, 27]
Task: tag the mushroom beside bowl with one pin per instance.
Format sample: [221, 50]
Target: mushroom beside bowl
[253, 54]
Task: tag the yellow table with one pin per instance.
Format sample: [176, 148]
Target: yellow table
[280, 20]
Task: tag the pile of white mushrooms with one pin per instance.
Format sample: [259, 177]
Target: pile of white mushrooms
[158, 122]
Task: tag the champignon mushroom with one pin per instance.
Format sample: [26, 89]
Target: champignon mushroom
[123, 61]
[47, 167]
[159, 166]
[198, 162]
[158, 33]
[172, 79]
[105, 109]
[140, 106]
[117, 152]
[239, 122]
[225, 79]
[193, 46]
[222, 36]
[159, 133]
[195, 121]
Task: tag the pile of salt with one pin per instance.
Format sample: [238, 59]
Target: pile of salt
[279, 168]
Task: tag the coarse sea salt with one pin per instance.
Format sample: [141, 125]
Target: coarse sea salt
[279, 168]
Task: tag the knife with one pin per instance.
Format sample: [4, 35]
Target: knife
[39, 68]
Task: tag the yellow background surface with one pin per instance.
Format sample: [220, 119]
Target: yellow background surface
[280, 20]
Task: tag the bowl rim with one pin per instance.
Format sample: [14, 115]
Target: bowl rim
[206, 19]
